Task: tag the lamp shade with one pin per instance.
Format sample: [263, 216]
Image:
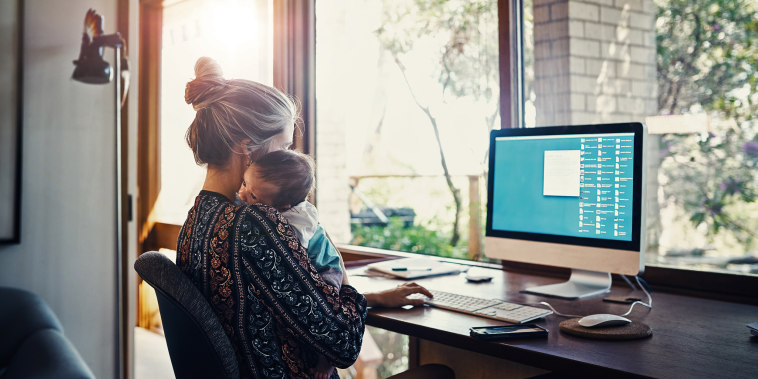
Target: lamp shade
[90, 67]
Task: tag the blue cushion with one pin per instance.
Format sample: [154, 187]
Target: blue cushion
[47, 354]
[22, 314]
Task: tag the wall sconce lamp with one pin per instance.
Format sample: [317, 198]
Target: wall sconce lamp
[90, 67]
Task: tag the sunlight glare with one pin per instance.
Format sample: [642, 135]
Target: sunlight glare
[235, 33]
[230, 23]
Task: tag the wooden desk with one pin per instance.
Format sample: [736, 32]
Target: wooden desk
[692, 337]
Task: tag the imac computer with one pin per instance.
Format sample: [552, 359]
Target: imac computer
[569, 196]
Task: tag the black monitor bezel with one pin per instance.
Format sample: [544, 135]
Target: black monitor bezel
[637, 206]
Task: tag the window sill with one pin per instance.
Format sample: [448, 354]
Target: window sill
[712, 285]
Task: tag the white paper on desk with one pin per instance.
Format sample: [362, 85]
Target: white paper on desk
[561, 173]
[415, 267]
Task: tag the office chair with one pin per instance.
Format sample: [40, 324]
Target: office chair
[196, 341]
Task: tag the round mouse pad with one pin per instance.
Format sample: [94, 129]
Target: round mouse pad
[631, 331]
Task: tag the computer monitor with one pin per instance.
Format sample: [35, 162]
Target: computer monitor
[568, 196]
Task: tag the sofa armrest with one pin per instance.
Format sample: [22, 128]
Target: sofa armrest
[47, 354]
[22, 313]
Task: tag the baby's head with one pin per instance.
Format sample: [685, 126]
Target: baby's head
[281, 178]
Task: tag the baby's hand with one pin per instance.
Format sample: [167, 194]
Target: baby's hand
[324, 369]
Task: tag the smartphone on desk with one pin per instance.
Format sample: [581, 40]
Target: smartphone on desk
[508, 332]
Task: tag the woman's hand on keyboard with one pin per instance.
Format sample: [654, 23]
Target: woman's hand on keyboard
[398, 296]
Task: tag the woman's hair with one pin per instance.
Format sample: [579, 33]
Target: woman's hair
[289, 170]
[229, 111]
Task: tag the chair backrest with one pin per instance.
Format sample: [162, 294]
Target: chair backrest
[196, 341]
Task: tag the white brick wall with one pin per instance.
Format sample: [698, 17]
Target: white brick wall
[611, 16]
[615, 51]
[599, 68]
[553, 30]
[541, 50]
[581, 47]
[598, 31]
[541, 14]
[594, 60]
[630, 70]
[600, 2]
[648, 39]
[577, 65]
[576, 28]
[559, 11]
[635, 5]
[641, 20]
[583, 84]
[557, 67]
[631, 105]
[537, 3]
[643, 55]
[606, 103]
[578, 102]
[583, 11]
[616, 86]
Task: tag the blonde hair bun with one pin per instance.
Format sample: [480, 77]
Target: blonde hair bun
[203, 90]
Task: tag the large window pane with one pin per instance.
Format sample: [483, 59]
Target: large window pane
[407, 92]
[687, 69]
[237, 34]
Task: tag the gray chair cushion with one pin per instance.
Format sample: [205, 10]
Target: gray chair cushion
[47, 354]
[189, 322]
[22, 314]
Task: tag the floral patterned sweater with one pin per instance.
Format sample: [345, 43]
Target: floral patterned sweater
[276, 309]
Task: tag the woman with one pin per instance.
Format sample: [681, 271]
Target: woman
[276, 309]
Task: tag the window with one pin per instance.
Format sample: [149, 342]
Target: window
[237, 34]
[687, 69]
[582, 62]
[407, 93]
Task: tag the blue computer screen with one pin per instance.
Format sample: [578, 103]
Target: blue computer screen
[578, 185]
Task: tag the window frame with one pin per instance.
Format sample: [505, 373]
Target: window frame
[294, 59]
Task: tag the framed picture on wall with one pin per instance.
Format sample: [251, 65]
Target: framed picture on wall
[11, 37]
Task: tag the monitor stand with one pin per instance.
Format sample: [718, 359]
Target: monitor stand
[581, 284]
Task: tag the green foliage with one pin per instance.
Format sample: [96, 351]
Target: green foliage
[422, 239]
[707, 53]
[713, 178]
[466, 55]
[705, 50]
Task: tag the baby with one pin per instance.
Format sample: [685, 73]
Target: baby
[283, 179]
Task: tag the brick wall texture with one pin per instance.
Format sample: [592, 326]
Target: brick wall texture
[594, 61]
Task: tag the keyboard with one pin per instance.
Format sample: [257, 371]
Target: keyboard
[489, 308]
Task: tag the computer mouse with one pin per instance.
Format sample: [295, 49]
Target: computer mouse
[477, 276]
[603, 320]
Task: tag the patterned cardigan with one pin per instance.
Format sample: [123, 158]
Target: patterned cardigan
[276, 309]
